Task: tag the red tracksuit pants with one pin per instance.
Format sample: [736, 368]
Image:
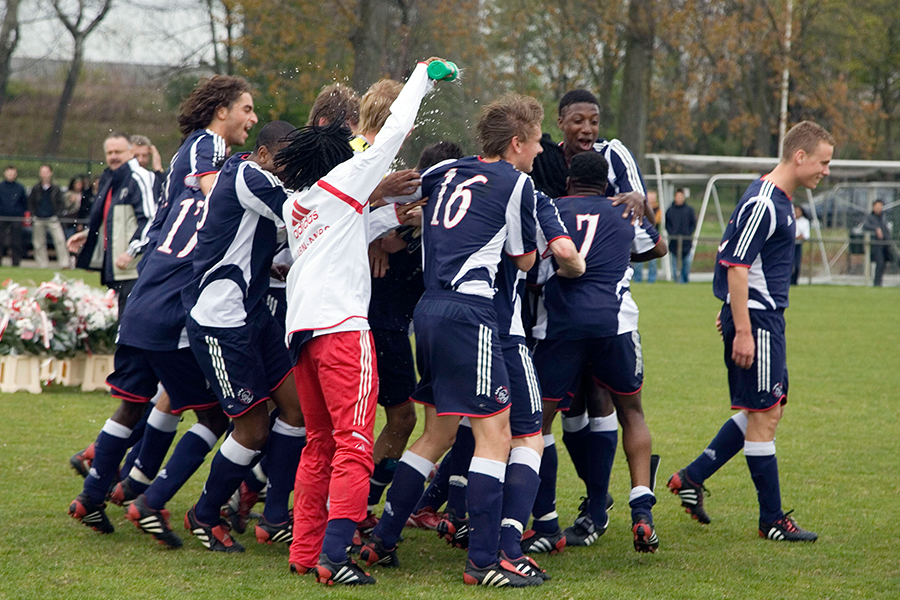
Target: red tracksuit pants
[337, 382]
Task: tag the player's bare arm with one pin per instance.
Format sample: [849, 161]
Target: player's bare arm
[743, 348]
[571, 263]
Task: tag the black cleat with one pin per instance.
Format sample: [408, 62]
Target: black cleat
[213, 537]
[237, 510]
[375, 553]
[645, 539]
[81, 461]
[344, 573]
[91, 514]
[691, 495]
[454, 530]
[271, 533]
[152, 521]
[525, 565]
[786, 529]
[538, 543]
[499, 574]
[122, 495]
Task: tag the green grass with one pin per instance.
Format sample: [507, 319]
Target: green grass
[837, 447]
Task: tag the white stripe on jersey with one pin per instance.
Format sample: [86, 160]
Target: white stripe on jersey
[483, 385]
[483, 257]
[763, 203]
[249, 200]
[515, 246]
[763, 360]
[365, 379]
[218, 362]
[534, 390]
[631, 168]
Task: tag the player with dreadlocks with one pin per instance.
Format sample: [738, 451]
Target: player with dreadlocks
[330, 227]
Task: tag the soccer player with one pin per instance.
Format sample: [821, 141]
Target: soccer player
[479, 208]
[592, 323]
[752, 278]
[238, 342]
[328, 295]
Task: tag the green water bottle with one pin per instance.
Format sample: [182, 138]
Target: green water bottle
[442, 71]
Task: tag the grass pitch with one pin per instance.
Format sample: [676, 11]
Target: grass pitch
[837, 449]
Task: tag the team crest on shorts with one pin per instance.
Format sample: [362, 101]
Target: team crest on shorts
[778, 391]
[244, 396]
[501, 394]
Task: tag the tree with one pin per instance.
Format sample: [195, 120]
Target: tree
[638, 65]
[75, 25]
[9, 39]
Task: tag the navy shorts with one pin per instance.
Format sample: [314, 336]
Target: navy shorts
[139, 371]
[526, 415]
[276, 300]
[396, 369]
[462, 366]
[765, 383]
[243, 364]
[615, 362]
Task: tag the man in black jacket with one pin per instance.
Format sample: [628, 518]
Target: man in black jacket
[881, 239]
[13, 204]
[46, 202]
[680, 224]
[121, 214]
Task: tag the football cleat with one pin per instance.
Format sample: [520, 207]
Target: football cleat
[499, 574]
[237, 510]
[91, 514]
[645, 539]
[366, 526]
[122, 495]
[691, 495]
[81, 461]
[344, 573]
[298, 570]
[454, 530]
[584, 532]
[375, 553]
[538, 543]
[213, 537]
[271, 533]
[152, 521]
[786, 529]
[525, 565]
[425, 518]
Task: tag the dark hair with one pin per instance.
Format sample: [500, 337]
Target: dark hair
[438, 152]
[273, 133]
[576, 97]
[679, 191]
[199, 108]
[46, 165]
[333, 102]
[502, 120]
[74, 179]
[312, 152]
[589, 168]
[14, 167]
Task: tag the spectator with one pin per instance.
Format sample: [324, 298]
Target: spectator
[680, 224]
[73, 198]
[653, 201]
[121, 214]
[87, 201]
[802, 228]
[46, 203]
[881, 241]
[148, 157]
[13, 204]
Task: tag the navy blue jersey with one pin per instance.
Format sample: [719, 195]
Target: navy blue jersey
[236, 242]
[476, 210]
[395, 295]
[511, 281]
[202, 153]
[760, 236]
[154, 315]
[599, 303]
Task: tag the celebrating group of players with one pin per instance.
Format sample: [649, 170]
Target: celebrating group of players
[483, 259]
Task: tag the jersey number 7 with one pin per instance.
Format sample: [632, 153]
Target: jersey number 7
[592, 221]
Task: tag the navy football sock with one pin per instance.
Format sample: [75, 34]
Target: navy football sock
[136, 439]
[485, 500]
[545, 518]
[229, 467]
[402, 497]
[381, 477]
[158, 436]
[641, 501]
[519, 491]
[575, 437]
[728, 442]
[764, 471]
[601, 444]
[283, 448]
[461, 456]
[436, 493]
[187, 457]
[110, 447]
[338, 535]
[259, 476]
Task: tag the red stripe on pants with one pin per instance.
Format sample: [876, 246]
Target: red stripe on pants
[337, 382]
